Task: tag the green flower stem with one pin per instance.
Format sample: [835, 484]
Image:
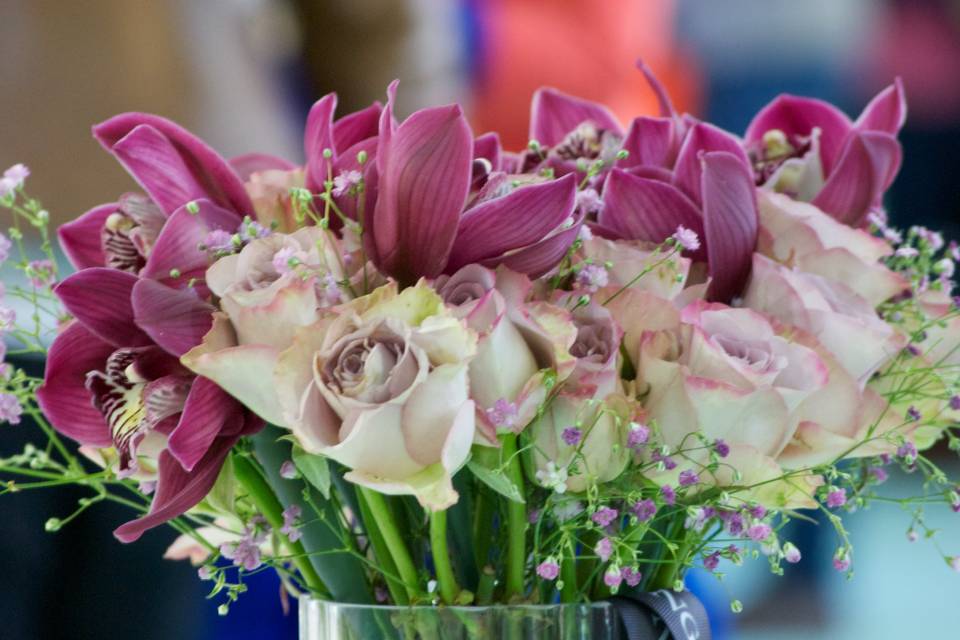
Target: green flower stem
[516, 521]
[670, 567]
[568, 573]
[382, 554]
[383, 520]
[446, 581]
[251, 479]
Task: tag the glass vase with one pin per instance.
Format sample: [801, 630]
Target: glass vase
[324, 620]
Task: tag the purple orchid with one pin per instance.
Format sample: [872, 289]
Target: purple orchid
[444, 200]
[680, 172]
[190, 189]
[811, 150]
[113, 378]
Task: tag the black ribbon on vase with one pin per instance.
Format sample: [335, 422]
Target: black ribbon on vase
[662, 615]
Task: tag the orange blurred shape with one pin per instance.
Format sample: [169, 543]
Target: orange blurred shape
[583, 47]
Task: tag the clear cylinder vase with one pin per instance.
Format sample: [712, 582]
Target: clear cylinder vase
[324, 620]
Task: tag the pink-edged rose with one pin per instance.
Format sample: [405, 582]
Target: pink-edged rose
[524, 346]
[840, 319]
[278, 283]
[269, 191]
[636, 265]
[381, 387]
[803, 237]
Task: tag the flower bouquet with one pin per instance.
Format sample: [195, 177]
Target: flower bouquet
[447, 390]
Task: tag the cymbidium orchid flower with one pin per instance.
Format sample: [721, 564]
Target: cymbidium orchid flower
[190, 191]
[810, 150]
[113, 378]
[425, 221]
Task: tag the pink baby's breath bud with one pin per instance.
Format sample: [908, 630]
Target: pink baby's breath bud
[572, 436]
[17, 174]
[147, 487]
[219, 241]
[790, 553]
[549, 569]
[603, 549]
[906, 252]
[721, 447]
[10, 409]
[604, 516]
[912, 535]
[589, 201]
[712, 561]
[644, 509]
[345, 181]
[41, 273]
[758, 511]
[687, 238]
[879, 474]
[287, 259]
[503, 413]
[955, 403]
[612, 577]
[585, 233]
[7, 187]
[638, 435]
[290, 517]
[288, 470]
[592, 277]
[908, 452]
[914, 414]
[836, 498]
[204, 572]
[841, 561]
[631, 576]
[759, 532]
[8, 319]
[954, 563]
[668, 494]
[688, 477]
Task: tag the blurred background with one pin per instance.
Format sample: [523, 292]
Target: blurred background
[243, 73]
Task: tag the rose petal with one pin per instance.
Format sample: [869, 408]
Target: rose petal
[249, 163]
[430, 410]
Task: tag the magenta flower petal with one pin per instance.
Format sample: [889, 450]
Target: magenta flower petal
[100, 299]
[177, 489]
[176, 319]
[357, 126]
[638, 208]
[730, 222]
[251, 163]
[650, 142]
[80, 238]
[702, 138]
[347, 161]
[539, 259]
[63, 396]
[317, 137]
[667, 109]
[869, 163]
[797, 116]
[524, 217]
[170, 163]
[886, 112]
[424, 175]
[207, 409]
[488, 146]
[177, 248]
[554, 114]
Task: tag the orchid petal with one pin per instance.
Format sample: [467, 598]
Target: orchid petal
[886, 112]
[650, 141]
[642, 209]
[356, 127]
[177, 251]
[208, 408]
[521, 218]
[797, 116]
[317, 138]
[63, 397]
[249, 163]
[81, 240]
[554, 114]
[866, 168]
[488, 146]
[730, 222]
[176, 319]
[540, 258]
[100, 298]
[179, 490]
[424, 177]
[702, 138]
[170, 163]
[666, 105]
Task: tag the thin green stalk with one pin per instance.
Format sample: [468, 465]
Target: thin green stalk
[383, 520]
[446, 581]
[516, 521]
[568, 573]
[382, 554]
[263, 497]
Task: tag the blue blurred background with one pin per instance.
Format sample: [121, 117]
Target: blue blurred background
[242, 74]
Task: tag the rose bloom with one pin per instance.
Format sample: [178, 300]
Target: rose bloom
[624, 260]
[523, 344]
[270, 193]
